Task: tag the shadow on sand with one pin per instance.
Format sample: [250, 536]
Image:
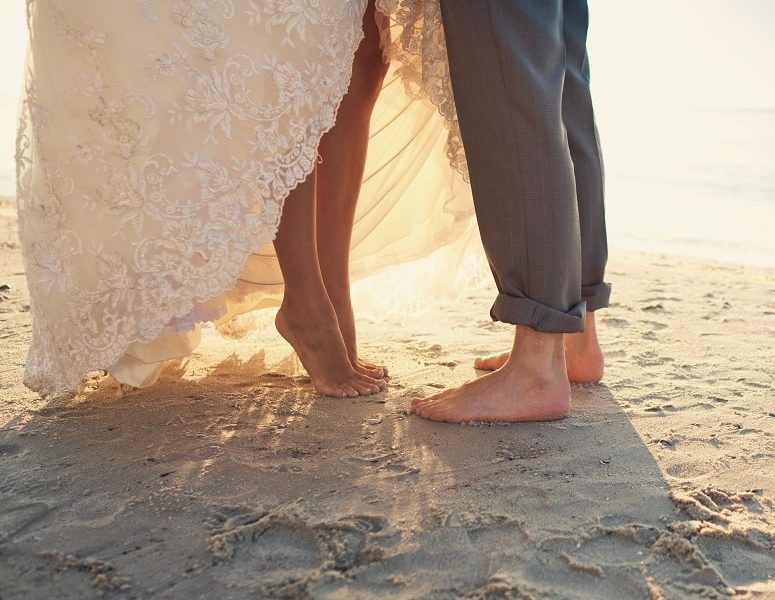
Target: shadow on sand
[243, 486]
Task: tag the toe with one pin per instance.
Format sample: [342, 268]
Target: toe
[418, 401]
[437, 412]
[425, 412]
[420, 407]
[363, 370]
[326, 389]
[350, 391]
[482, 363]
[444, 415]
[379, 383]
[365, 389]
[439, 396]
[491, 363]
[380, 371]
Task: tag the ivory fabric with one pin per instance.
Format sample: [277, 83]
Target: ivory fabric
[158, 140]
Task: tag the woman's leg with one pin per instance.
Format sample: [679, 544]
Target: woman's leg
[306, 318]
[340, 173]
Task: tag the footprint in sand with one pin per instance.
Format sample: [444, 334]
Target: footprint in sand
[485, 530]
[668, 563]
[658, 307]
[14, 520]
[732, 530]
[274, 549]
[615, 322]
[7, 450]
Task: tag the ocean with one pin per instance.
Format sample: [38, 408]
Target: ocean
[692, 182]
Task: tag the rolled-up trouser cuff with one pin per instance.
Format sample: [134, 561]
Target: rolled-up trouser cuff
[596, 296]
[543, 318]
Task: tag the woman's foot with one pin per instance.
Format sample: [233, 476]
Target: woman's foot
[346, 318]
[315, 336]
[584, 360]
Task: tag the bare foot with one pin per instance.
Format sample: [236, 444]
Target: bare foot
[321, 349]
[584, 359]
[532, 387]
[346, 318]
[491, 363]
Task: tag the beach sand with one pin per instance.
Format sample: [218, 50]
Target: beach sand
[230, 479]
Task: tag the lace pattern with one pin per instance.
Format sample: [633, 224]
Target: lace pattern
[156, 148]
[183, 222]
[415, 40]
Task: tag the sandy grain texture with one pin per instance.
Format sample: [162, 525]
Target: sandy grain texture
[229, 479]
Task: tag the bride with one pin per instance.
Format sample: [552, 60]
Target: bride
[161, 141]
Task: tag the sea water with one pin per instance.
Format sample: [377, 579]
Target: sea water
[697, 182]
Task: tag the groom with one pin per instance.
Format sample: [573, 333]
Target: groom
[520, 77]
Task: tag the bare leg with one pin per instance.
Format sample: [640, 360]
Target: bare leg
[306, 318]
[531, 386]
[343, 152]
[583, 357]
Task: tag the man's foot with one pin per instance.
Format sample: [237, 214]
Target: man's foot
[584, 365]
[532, 387]
[584, 359]
[346, 318]
[322, 351]
[491, 363]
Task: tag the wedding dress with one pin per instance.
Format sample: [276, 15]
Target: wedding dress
[158, 140]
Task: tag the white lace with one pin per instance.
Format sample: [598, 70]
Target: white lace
[139, 196]
[416, 41]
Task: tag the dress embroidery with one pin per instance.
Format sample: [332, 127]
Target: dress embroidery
[156, 147]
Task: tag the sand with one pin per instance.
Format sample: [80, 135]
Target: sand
[230, 479]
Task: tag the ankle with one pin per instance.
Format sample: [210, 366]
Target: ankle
[307, 308]
[538, 344]
[582, 343]
[585, 342]
[540, 353]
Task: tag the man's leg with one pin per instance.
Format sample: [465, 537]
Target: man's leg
[507, 63]
[583, 355]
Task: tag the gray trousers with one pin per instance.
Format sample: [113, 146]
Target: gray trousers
[520, 77]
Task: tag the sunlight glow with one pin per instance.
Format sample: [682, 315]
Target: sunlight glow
[685, 107]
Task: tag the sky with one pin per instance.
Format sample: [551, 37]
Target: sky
[690, 53]
[683, 53]
[708, 61]
[13, 39]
